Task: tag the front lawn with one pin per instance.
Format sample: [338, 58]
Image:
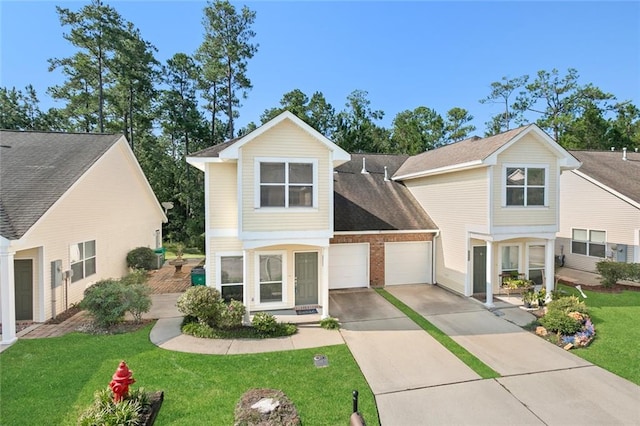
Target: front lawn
[51, 381]
[616, 318]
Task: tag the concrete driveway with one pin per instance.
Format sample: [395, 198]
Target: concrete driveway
[416, 381]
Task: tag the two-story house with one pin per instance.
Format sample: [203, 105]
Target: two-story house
[291, 215]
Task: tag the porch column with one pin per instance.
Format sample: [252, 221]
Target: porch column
[549, 266]
[8, 296]
[489, 301]
[324, 286]
[245, 287]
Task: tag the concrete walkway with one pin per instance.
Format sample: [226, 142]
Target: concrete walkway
[540, 383]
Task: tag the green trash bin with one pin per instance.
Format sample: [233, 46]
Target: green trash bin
[160, 254]
[198, 276]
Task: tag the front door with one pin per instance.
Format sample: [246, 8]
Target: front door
[23, 279]
[306, 278]
[479, 269]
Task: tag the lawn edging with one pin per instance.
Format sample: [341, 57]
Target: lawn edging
[451, 345]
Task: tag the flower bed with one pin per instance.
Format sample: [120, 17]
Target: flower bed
[567, 323]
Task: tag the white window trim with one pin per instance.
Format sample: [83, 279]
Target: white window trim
[527, 265]
[256, 183]
[285, 293]
[588, 242]
[505, 166]
[219, 257]
[84, 259]
[520, 255]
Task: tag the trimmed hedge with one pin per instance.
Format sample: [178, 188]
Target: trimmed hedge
[612, 272]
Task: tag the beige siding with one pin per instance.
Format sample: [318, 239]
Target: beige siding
[109, 204]
[527, 151]
[223, 195]
[584, 205]
[455, 202]
[286, 140]
[217, 246]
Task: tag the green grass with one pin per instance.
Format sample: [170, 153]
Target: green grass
[465, 356]
[616, 317]
[51, 381]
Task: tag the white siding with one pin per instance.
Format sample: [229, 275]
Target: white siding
[455, 202]
[223, 195]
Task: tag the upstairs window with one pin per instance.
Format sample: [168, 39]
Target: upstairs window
[588, 242]
[286, 184]
[83, 260]
[525, 186]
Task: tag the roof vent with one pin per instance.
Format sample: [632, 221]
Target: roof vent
[364, 167]
[386, 174]
[624, 154]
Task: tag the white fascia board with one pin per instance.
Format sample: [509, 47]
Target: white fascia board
[232, 151]
[200, 162]
[441, 170]
[256, 244]
[608, 189]
[416, 231]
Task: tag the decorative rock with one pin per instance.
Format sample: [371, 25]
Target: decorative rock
[266, 405]
[541, 331]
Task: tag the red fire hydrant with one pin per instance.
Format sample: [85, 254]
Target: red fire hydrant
[120, 382]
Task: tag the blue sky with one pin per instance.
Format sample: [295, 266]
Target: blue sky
[404, 54]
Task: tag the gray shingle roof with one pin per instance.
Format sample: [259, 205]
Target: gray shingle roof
[214, 151]
[608, 168]
[366, 202]
[37, 168]
[472, 149]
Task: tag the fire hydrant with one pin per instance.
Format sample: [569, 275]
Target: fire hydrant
[122, 378]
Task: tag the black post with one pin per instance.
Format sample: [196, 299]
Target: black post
[355, 401]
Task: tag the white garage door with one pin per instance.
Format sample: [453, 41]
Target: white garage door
[407, 263]
[348, 265]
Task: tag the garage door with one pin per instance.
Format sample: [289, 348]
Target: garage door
[407, 263]
[348, 265]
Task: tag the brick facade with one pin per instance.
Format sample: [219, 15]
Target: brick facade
[376, 249]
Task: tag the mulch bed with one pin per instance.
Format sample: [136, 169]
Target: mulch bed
[62, 317]
[618, 288]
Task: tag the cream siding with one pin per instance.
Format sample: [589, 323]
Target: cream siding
[223, 195]
[217, 246]
[455, 202]
[527, 151]
[286, 140]
[110, 204]
[585, 205]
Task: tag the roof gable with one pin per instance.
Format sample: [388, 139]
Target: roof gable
[610, 171]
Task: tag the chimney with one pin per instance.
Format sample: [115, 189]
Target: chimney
[364, 167]
[386, 174]
[624, 154]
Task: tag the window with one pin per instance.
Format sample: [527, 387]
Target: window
[270, 278]
[536, 263]
[588, 242]
[231, 278]
[525, 186]
[286, 184]
[83, 260]
[510, 258]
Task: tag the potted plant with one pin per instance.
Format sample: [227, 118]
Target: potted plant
[178, 261]
[540, 296]
[528, 297]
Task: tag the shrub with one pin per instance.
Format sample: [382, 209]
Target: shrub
[203, 303]
[198, 329]
[329, 323]
[560, 322]
[612, 272]
[567, 304]
[141, 258]
[137, 300]
[232, 315]
[265, 323]
[105, 301]
[106, 412]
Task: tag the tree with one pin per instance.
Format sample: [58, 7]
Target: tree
[456, 127]
[20, 110]
[95, 31]
[558, 99]
[417, 131]
[627, 123]
[224, 54]
[316, 112]
[501, 91]
[356, 130]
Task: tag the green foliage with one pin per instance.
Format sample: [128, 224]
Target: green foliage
[105, 412]
[198, 329]
[612, 272]
[232, 315]
[558, 321]
[202, 302]
[109, 300]
[329, 323]
[568, 304]
[141, 258]
[265, 323]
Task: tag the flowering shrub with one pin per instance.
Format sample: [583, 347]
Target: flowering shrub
[567, 316]
[203, 303]
[232, 316]
[583, 337]
[265, 323]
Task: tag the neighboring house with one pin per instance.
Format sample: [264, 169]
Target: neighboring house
[600, 210]
[290, 215]
[71, 207]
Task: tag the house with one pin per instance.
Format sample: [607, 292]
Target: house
[290, 215]
[71, 207]
[600, 210]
